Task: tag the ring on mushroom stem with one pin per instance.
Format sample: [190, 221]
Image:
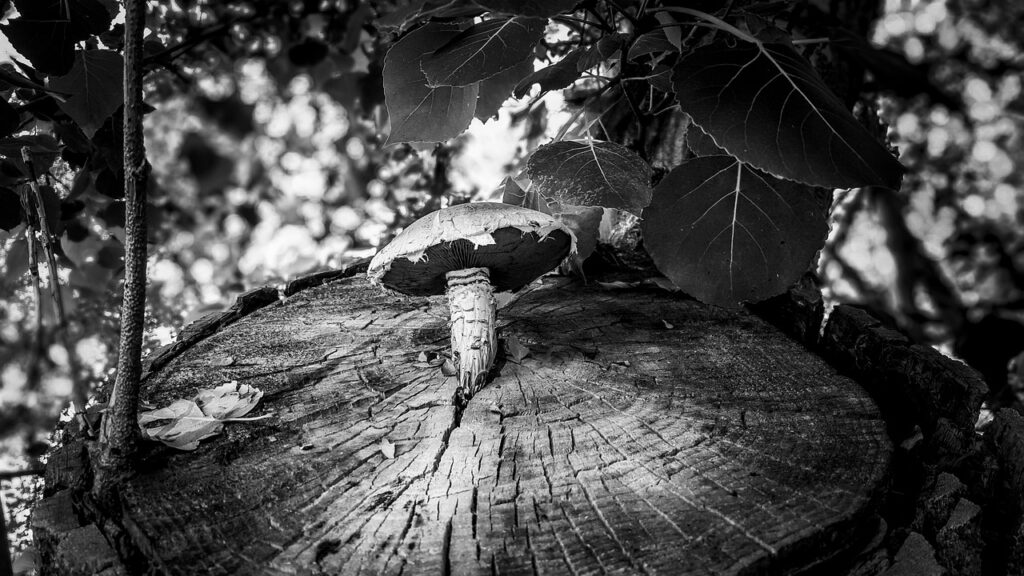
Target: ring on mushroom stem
[468, 252]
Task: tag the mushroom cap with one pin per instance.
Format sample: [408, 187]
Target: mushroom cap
[515, 244]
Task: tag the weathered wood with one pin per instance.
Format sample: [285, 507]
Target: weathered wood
[644, 433]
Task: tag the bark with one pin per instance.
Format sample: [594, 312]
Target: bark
[644, 433]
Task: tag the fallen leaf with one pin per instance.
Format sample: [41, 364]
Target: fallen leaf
[188, 423]
[668, 325]
[229, 400]
[387, 448]
[422, 357]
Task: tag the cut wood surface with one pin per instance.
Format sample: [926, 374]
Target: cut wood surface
[643, 433]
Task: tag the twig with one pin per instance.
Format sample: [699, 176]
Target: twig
[78, 393]
[120, 431]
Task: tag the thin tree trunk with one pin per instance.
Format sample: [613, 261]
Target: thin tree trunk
[120, 430]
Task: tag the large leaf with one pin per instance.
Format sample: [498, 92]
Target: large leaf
[483, 50]
[418, 112]
[591, 174]
[765, 105]
[93, 87]
[650, 43]
[496, 89]
[558, 75]
[727, 233]
[46, 30]
[537, 8]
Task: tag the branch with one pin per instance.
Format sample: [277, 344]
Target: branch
[34, 365]
[78, 391]
[120, 430]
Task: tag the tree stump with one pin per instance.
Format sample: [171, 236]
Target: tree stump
[643, 433]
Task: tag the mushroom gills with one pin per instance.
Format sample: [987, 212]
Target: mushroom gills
[474, 345]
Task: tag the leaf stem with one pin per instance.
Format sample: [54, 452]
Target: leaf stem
[716, 21]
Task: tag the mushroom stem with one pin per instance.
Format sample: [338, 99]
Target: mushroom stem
[471, 300]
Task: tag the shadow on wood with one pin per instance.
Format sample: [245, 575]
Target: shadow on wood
[644, 433]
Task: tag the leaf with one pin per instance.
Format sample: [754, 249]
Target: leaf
[94, 88]
[673, 33]
[512, 193]
[591, 174]
[229, 400]
[764, 104]
[514, 350]
[585, 223]
[496, 89]
[200, 418]
[483, 50]
[601, 51]
[387, 448]
[536, 8]
[418, 112]
[46, 30]
[700, 144]
[650, 43]
[188, 425]
[726, 233]
[661, 79]
[553, 77]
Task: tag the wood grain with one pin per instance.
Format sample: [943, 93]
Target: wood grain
[643, 434]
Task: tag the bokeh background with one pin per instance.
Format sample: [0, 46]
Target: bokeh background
[268, 165]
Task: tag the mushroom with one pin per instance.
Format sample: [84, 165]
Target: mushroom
[469, 251]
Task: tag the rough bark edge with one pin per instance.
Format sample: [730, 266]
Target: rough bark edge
[941, 395]
[320, 278]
